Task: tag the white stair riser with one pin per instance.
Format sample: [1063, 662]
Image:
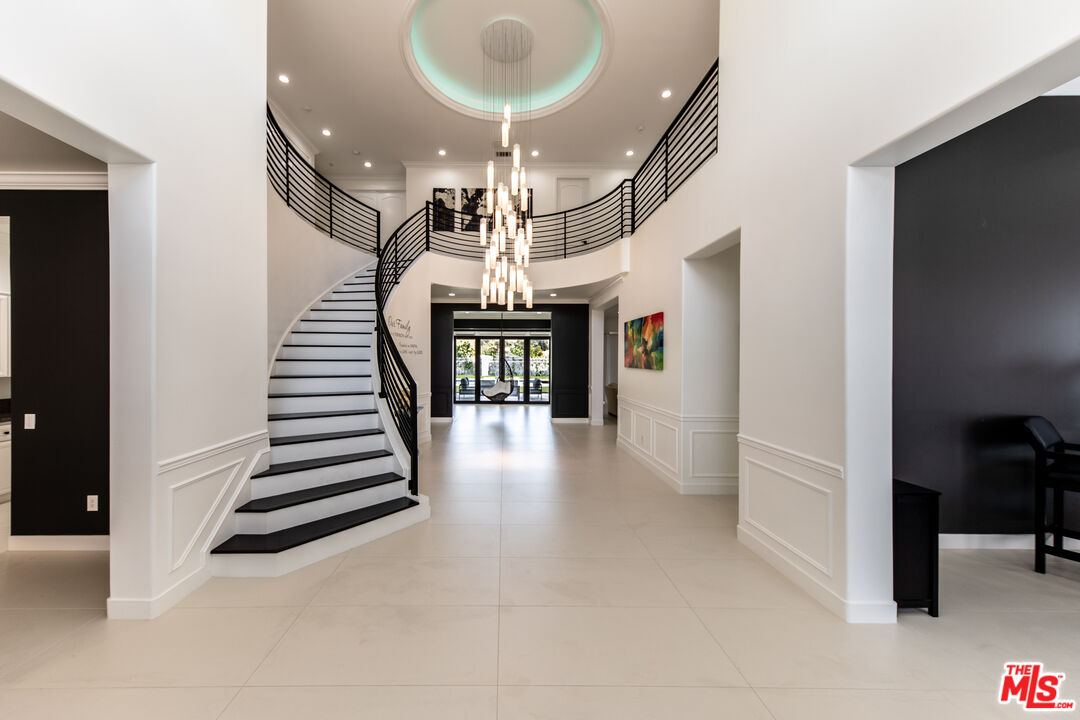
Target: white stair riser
[330, 367]
[288, 482]
[277, 564]
[320, 384]
[328, 326]
[310, 426]
[326, 448]
[263, 523]
[319, 403]
[348, 302]
[336, 315]
[325, 338]
[338, 352]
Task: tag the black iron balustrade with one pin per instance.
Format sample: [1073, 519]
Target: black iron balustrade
[685, 146]
[316, 199]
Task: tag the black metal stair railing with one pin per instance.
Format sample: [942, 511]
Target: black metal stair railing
[316, 199]
[689, 141]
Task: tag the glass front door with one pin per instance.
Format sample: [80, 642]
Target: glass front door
[465, 388]
[524, 364]
[514, 367]
[490, 368]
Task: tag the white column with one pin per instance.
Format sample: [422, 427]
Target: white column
[596, 366]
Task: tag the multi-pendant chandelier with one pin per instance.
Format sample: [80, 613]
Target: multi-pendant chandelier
[506, 225]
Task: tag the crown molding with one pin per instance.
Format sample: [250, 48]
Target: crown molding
[629, 168]
[295, 135]
[54, 181]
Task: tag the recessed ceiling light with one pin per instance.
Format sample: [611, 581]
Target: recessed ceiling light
[665, 94]
[326, 132]
[554, 294]
[367, 163]
[283, 78]
[442, 152]
[355, 152]
[536, 153]
[629, 153]
[452, 294]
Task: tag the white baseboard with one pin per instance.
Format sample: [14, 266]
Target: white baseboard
[1014, 541]
[570, 421]
[882, 613]
[441, 420]
[66, 543]
[150, 608]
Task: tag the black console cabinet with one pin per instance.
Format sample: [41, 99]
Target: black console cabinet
[915, 546]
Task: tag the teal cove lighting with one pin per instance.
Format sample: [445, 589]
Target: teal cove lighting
[467, 90]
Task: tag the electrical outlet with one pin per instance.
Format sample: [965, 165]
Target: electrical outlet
[29, 421]
[91, 503]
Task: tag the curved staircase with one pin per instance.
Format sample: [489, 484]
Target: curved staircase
[334, 480]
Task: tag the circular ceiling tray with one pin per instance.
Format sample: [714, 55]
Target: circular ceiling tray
[441, 45]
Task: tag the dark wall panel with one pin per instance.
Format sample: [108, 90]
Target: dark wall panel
[60, 360]
[569, 358]
[987, 310]
[569, 361]
[442, 360]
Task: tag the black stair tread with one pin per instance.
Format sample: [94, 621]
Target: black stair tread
[282, 540]
[316, 463]
[321, 394]
[280, 377]
[335, 321]
[316, 437]
[335, 332]
[342, 309]
[320, 414]
[321, 345]
[299, 497]
[342, 300]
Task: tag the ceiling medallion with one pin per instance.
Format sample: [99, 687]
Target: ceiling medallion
[569, 43]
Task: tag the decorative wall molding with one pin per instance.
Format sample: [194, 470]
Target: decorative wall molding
[807, 460]
[791, 514]
[665, 441]
[175, 463]
[423, 420]
[54, 181]
[201, 523]
[825, 564]
[232, 469]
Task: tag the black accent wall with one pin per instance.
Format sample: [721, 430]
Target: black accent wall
[60, 360]
[987, 311]
[569, 358]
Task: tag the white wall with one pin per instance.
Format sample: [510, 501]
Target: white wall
[302, 263]
[420, 178]
[173, 96]
[805, 91]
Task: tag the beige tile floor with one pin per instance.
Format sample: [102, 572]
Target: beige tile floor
[557, 579]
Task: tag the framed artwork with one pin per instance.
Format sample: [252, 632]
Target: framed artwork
[472, 208]
[444, 201]
[643, 342]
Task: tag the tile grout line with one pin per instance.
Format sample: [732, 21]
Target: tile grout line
[706, 627]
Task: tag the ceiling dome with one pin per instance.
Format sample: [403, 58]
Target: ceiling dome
[442, 43]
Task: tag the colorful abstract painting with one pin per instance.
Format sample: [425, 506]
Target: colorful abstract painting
[643, 342]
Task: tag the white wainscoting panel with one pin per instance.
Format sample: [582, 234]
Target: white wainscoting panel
[196, 495]
[423, 418]
[791, 513]
[695, 454]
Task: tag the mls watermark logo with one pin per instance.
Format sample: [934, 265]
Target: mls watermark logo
[1032, 689]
